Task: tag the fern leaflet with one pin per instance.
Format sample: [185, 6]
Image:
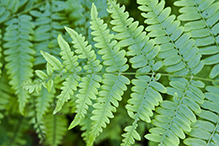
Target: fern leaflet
[70, 82]
[113, 85]
[56, 127]
[181, 57]
[142, 103]
[90, 83]
[205, 131]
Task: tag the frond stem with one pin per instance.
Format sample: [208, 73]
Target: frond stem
[162, 74]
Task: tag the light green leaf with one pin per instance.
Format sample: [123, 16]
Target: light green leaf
[54, 62]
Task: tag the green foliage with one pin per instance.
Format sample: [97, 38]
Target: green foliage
[66, 64]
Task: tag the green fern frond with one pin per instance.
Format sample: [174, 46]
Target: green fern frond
[71, 82]
[201, 21]
[7, 8]
[15, 134]
[115, 128]
[112, 55]
[48, 26]
[85, 124]
[69, 86]
[175, 117]
[75, 12]
[56, 127]
[143, 52]
[30, 86]
[90, 83]
[180, 57]
[43, 101]
[113, 85]
[180, 54]
[19, 54]
[41, 106]
[5, 92]
[205, 131]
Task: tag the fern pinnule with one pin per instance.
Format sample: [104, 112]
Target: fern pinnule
[113, 84]
[89, 83]
[205, 131]
[19, 55]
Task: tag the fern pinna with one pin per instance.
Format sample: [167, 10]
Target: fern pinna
[160, 77]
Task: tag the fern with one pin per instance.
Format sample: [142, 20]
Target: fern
[19, 55]
[119, 79]
[4, 95]
[113, 85]
[181, 57]
[56, 127]
[205, 130]
[90, 83]
[142, 103]
[47, 28]
[15, 134]
[204, 16]
[8, 8]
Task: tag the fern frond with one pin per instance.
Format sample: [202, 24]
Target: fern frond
[90, 83]
[143, 52]
[201, 21]
[5, 92]
[43, 101]
[56, 127]
[69, 86]
[19, 54]
[177, 48]
[7, 8]
[115, 128]
[175, 117]
[180, 57]
[85, 124]
[71, 82]
[205, 131]
[15, 131]
[50, 21]
[113, 85]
